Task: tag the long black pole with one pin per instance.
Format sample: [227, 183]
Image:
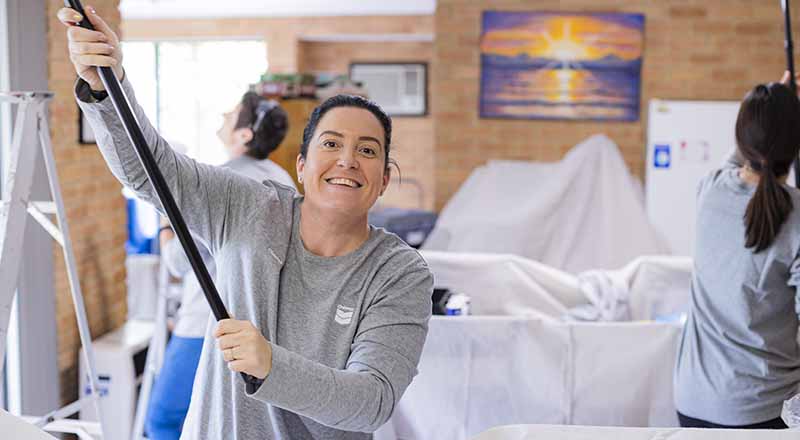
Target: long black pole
[123, 108]
[790, 67]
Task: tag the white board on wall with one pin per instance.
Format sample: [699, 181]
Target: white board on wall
[685, 141]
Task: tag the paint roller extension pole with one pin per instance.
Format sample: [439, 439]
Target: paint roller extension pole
[790, 67]
[123, 108]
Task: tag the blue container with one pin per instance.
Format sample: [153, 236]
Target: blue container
[143, 221]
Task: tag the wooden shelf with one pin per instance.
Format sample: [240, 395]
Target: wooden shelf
[298, 111]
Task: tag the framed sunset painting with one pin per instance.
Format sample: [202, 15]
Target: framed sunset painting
[553, 65]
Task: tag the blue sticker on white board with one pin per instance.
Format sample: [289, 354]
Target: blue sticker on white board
[662, 156]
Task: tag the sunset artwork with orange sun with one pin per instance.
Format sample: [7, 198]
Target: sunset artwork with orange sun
[545, 65]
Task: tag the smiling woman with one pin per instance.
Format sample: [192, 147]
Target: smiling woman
[332, 313]
[343, 166]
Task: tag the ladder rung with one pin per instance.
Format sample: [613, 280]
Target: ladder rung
[45, 207]
[66, 411]
[48, 226]
[17, 97]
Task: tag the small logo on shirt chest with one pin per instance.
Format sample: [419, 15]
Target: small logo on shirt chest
[344, 315]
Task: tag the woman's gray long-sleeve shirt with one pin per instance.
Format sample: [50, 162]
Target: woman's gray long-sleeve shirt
[346, 332]
[739, 358]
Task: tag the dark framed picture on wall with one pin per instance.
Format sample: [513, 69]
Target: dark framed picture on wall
[85, 133]
[401, 88]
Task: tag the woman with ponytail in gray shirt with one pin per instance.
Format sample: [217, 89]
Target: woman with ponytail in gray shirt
[739, 357]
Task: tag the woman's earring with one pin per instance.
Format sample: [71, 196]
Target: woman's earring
[300, 178]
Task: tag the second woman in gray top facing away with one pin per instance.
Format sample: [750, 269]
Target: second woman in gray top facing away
[739, 357]
[330, 313]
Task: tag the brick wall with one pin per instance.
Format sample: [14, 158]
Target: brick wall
[95, 212]
[714, 49]
[694, 49]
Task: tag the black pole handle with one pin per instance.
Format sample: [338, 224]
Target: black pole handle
[126, 115]
[789, 46]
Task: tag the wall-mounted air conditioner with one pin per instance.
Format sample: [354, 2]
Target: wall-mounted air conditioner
[401, 89]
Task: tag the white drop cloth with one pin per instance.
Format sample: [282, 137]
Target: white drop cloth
[478, 372]
[584, 212]
[537, 432]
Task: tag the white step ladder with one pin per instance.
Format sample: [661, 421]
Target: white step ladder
[15, 207]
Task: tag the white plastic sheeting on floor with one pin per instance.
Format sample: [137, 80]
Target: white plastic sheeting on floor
[584, 212]
[16, 428]
[537, 432]
[527, 365]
